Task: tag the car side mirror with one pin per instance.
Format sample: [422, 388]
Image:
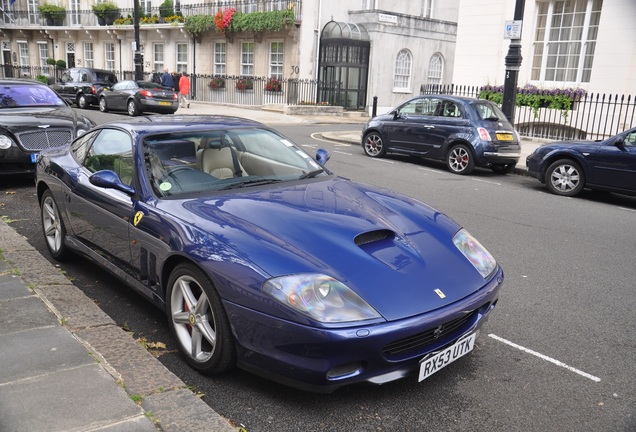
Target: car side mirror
[396, 115]
[108, 179]
[322, 156]
[620, 142]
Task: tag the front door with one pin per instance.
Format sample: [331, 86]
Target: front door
[615, 165]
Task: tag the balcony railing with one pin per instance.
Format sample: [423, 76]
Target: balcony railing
[87, 18]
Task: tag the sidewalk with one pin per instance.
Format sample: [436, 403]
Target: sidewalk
[66, 366]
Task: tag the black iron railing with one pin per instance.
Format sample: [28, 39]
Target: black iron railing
[594, 116]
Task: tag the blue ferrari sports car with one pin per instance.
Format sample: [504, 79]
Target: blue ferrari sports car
[262, 258]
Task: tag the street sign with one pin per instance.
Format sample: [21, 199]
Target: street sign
[513, 29]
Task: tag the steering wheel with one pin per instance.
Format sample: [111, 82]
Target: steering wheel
[172, 171]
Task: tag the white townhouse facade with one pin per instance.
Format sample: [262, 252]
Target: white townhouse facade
[383, 48]
[588, 44]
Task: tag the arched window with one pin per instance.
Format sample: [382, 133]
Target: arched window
[402, 79]
[435, 69]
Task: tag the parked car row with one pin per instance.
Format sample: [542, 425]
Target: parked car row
[467, 133]
[87, 86]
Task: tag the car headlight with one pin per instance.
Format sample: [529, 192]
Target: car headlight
[81, 132]
[319, 297]
[478, 256]
[5, 142]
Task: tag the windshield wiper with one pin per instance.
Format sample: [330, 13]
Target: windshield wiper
[311, 174]
[253, 182]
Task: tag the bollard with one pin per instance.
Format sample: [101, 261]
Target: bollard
[374, 112]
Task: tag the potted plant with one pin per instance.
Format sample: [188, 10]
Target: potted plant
[53, 14]
[166, 9]
[273, 85]
[106, 13]
[217, 83]
[245, 84]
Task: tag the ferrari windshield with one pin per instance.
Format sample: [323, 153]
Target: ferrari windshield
[28, 95]
[214, 160]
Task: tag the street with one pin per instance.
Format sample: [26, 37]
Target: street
[557, 354]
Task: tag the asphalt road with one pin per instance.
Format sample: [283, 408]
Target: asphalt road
[558, 353]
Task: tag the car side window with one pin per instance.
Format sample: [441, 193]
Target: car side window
[418, 107]
[630, 139]
[84, 76]
[74, 73]
[111, 150]
[79, 147]
[450, 109]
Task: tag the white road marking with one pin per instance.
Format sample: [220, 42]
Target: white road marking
[344, 153]
[546, 358]
[431, 170]
[487, 181]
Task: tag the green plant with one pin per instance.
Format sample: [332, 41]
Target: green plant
[105, 10]
[149, 20]
[43, 79]
[138, 399]
[274, 85]
[196, 25]
[50, 61]
[60, 64]
[49, 10]
[245, 84]
[123, 21]
[217, 83]
[174, 19]
[262, 21]
[166, 9]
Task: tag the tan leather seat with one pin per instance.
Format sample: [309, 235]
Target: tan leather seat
[221, 162]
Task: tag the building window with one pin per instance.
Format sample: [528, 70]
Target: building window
[109, 55]
[158, 64]
[247, 58]
[565, 40]
[23, 49]
[182, 57]
[435, 69]
[427, 8]
[145, 6]
[220, 58]
[74, 12]
[34, 14]
[367, 4]
[402, 79]
[43, 50]
[276, 60]
[89, 60]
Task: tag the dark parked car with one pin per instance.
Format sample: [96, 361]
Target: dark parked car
[568, 167]
[264, 259]
[33, 117]
[463, 132]
[138, 97]
[82, 86]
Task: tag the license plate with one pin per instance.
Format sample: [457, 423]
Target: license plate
[504, 137]
[164, 103]
[439, 360]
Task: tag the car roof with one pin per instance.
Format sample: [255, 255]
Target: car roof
[22, 81]
[177, 123]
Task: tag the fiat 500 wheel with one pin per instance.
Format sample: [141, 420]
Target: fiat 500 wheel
[460, 160]
[198, 321]
[374, 145]
[53, 227]
[565, 177]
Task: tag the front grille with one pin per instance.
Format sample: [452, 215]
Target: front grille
[42, 139]
[421, 340]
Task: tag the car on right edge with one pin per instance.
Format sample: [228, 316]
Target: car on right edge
[464, 132]
[568, 167]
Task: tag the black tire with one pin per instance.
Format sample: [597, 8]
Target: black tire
[133, 110]
[373, 145]
[502, 168]
[82, 102]
[196, 313]
[53, 227]
[460, 159]
[565, 177]
[103, 107]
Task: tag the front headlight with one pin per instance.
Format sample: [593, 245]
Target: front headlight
[478, 256]
[5, 142]
[319, 297]
[81, 132]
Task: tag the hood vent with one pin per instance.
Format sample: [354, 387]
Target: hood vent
[373, 236]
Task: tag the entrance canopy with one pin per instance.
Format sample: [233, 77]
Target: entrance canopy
[341, 30]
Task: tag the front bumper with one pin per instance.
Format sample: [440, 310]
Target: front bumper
[323, 359]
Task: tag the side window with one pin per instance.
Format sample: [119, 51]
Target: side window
[111, 150]
[424, 106]
[80, 146]
[74, 75]
[630, 139]
[451, 110]
[84, 76]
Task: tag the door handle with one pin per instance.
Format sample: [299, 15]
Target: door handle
[429, 127]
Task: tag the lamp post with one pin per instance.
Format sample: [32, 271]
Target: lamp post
[513, 63]
[137, 55]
